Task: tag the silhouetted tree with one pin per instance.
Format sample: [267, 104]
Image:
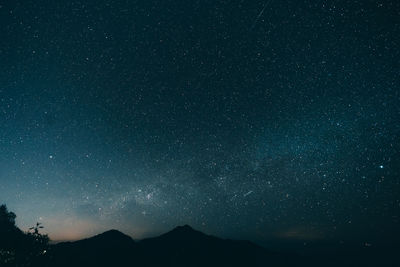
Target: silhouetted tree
[18, 248]
[38, 245]
[6, 217]
[10, 237]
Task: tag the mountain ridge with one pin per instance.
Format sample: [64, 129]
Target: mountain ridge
[182, 246]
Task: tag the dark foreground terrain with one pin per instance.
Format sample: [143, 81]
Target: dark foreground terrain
[184, 246]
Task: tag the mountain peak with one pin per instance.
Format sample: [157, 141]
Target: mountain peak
[112, 236]
[112, 232]
[184, 228]
[184, 232]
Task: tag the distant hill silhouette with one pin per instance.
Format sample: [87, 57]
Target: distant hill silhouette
[111, 248]
[183, 246]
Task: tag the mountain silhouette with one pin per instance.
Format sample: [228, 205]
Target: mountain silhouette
[182, 246]
[108, 239]
[111, 248]
[183, 234]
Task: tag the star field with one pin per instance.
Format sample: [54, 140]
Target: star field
[244, 119]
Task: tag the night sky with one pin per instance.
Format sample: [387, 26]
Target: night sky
[244, 119]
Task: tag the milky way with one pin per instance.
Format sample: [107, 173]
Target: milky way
[144, 115]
